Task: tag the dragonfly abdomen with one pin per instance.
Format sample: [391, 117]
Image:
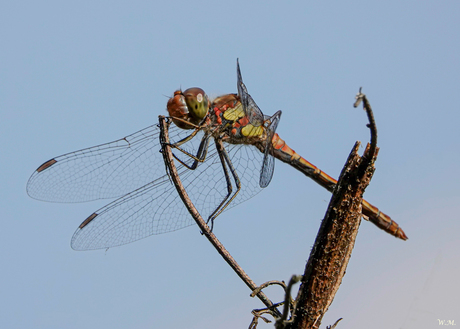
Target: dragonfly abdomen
[283, 152]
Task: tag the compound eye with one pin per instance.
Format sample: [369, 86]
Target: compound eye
[197, 102]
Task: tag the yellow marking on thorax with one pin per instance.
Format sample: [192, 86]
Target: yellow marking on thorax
[249, 130]
[235, 113]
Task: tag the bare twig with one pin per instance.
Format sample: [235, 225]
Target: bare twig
[257, 314]
[371, 125]
[169, 162]
[335, 324]
[288, 303]
[266, 284]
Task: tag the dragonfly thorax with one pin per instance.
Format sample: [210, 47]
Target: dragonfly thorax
[227, 113]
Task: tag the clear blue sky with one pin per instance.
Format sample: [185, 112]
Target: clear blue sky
[77, 74]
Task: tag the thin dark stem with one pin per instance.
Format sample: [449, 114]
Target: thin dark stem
[266, 284]
[281, 322]
[169, 162]
[334, 325]
[371, 125]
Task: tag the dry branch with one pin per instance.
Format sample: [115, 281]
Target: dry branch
[336, 237]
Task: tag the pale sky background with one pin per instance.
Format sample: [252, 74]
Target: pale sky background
[76, 74]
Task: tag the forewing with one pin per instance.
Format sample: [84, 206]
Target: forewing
[104, 171]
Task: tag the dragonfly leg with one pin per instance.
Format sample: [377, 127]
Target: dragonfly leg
[185, 139]
[225, 159]
[189, 137]
[199, 157]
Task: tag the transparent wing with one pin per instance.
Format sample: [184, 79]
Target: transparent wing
[268, 166]
[255, 115]
[104, 171]
[152, 209]
[156, 208]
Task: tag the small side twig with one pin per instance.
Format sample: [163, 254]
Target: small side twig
[334, 325]
[266, 284]
[257, 314]
[289, 305]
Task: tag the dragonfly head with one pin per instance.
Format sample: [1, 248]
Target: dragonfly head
[191, 105]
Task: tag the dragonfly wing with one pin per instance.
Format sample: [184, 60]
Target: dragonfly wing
[255, 115]
[156, 208]
[104, 171]
[246, 159]
[152, 209]
[268, 165]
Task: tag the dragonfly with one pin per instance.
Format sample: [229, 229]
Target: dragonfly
[225, 150]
